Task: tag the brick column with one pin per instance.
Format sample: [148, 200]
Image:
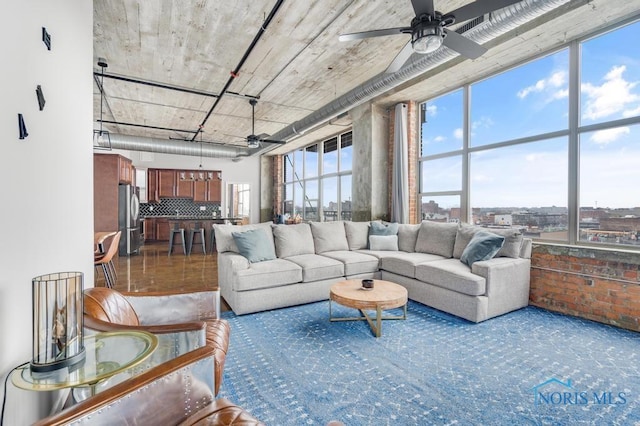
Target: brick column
[413, 148]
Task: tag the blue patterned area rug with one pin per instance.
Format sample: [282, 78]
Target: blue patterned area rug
[293, 367]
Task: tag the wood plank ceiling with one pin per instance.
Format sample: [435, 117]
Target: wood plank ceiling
[297, 66]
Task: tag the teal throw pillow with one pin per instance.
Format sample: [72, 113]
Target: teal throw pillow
[254, 245]
[483, 246]
[383, 228]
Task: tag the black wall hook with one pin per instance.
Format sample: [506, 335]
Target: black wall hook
[22, 127]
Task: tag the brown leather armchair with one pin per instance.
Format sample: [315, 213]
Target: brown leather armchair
[177, 392]
[181, 321]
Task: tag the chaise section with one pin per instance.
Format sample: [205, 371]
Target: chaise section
[452, 275]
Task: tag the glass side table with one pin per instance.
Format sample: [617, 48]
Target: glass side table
[107, 354]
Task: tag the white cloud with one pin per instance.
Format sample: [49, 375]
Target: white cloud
[484, 122]
[439, 139]
[457, 133]
[557, 80]
[612, 97]
[432, 110]
[605, 137]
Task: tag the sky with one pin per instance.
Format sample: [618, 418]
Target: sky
[530, 100]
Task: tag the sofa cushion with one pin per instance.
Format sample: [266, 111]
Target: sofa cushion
[383, 242]
[483, 246]
[255, 245]
[224, 235]
[512, 242]
[271, 273]
[357, 234]
[293, 240]
[436, 238]
[407, 236]
[463, 236]
[405, 263]
[329, 236]
[316, 267]
[383, 228]
[453, 275]
[355, 262]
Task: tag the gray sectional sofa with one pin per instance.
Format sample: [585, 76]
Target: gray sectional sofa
[285, 265]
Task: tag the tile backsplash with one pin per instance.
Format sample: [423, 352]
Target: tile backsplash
[181, 206]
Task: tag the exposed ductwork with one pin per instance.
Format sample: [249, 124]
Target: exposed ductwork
[137, 143]
[501, 22]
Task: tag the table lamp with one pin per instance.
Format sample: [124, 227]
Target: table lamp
[57, 321]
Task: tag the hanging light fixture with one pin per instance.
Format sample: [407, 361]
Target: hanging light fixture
[101, 138]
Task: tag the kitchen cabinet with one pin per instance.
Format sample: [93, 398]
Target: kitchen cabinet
[125, 171]
[162, 229]
[185, 180]
[166, 183]
[150, 229]
[203, 186]
[152, 186]
[109, 171]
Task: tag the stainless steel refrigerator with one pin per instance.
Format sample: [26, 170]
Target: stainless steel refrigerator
[129, 219]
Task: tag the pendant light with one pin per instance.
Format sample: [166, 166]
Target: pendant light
[101, 138]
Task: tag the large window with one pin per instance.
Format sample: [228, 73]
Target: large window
[317, 180]
[528, 148]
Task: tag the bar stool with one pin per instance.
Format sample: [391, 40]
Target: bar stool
[197, 229]
[175, 227]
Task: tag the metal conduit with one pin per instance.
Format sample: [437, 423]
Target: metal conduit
[501, 22]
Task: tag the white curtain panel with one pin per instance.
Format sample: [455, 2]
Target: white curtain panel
[400, 173]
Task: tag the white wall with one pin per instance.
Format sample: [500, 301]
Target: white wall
[46, 186]
[245, 171]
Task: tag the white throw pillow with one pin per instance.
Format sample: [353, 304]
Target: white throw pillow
[383, 242]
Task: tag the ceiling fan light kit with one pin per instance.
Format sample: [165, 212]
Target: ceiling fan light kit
[427, 39]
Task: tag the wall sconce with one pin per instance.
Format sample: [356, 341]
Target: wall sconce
[58, 339]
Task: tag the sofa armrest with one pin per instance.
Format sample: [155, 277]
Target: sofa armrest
[229, 263]
[166, 394]
[507, 283]
[170, 307]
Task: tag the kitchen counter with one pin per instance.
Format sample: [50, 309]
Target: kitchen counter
[156, 228]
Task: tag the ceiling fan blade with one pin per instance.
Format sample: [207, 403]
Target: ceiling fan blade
[463, 45]
[402, 57]
[272, 141]
[374, 33]
[478, 8]
[423, 6]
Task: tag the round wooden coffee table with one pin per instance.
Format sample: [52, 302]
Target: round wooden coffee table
[384, 295]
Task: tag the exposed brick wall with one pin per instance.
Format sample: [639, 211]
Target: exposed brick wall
[599, 285]
[413, 148]
[277, 178]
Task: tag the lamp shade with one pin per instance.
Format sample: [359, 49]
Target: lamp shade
[57, 321]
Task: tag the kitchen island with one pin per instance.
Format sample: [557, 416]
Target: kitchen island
[156, 228]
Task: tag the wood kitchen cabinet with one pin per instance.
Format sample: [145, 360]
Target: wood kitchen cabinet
[126, 171]
[166, 183]
[150, 229]
[152, 186]
[162, 229]
[208, 191]
[184, 185]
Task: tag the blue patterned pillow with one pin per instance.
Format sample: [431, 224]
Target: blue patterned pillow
[483, 246]
[254, 245]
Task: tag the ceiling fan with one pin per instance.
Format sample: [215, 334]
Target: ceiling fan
[428, 30]
[253, 140]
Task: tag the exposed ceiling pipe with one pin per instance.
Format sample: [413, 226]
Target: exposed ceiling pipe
[138, 143]
[500, 23]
